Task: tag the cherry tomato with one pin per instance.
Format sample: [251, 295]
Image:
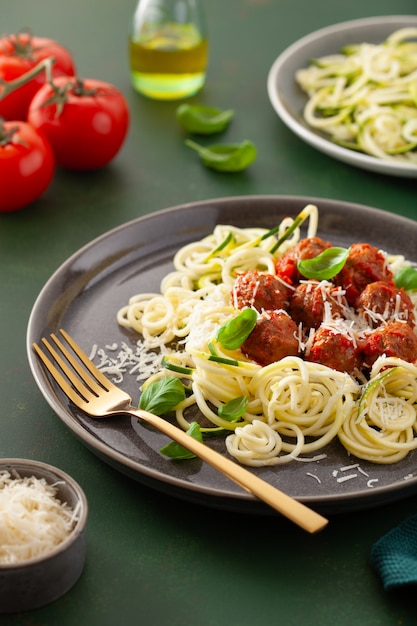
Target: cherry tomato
[20, 53]
[85, 121]
[26, 165]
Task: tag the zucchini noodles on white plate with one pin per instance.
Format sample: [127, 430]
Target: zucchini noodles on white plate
[365, 97]
[286, 410]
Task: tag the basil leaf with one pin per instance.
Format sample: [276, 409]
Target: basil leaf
[162, 396]
[234, 409]
[176, 451]
[203, 120]
[325, 265]
[232, 157]
[234, 332]
[406, 278]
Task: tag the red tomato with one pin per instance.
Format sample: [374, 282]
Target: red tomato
[85, 121]
[26, 165]
[19, 54]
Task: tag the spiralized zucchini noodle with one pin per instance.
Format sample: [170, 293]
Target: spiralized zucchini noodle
[365, 97]
[294, 408]
[383, 428]
[298, 400]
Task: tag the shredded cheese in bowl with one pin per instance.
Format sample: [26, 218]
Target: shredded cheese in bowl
[43, 534]
[33, 521]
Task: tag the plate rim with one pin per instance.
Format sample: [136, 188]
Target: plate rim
[166, 482]
[310, 136]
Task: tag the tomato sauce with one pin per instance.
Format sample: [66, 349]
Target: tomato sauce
[345, 324]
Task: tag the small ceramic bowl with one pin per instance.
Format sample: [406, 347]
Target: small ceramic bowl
[34, 582]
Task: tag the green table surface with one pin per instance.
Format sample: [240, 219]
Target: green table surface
[153, 560]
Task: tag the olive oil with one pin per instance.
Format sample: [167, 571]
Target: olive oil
[168, 62]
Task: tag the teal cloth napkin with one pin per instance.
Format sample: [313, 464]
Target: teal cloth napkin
[394, 556]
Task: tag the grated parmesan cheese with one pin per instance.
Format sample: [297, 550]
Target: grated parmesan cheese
[343, 479]
[314, 476]
[33, 521]
[138, 360]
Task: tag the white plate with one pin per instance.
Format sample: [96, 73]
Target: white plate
[288, 99]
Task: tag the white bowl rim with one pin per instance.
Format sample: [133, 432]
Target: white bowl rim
[308, 135]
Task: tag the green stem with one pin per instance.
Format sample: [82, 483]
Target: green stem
[43, 66]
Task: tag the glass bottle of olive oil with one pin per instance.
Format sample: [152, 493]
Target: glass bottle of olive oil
[168, 48]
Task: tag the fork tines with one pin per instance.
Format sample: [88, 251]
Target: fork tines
[84, 377]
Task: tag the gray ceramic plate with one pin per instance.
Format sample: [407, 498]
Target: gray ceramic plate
[84, 294]
[288, 100]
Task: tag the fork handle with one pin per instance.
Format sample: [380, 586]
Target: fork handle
[294, 510]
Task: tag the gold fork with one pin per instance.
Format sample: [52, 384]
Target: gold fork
[94, 394]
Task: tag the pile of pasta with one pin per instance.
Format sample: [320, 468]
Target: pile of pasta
[294, 408]
[364, 98]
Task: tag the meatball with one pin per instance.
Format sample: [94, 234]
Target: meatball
[273, 338]
[336, 350]
[381, 302]
[394, 339]
[365, 264]
[311, 300]
[263, 292]
[286, 265]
